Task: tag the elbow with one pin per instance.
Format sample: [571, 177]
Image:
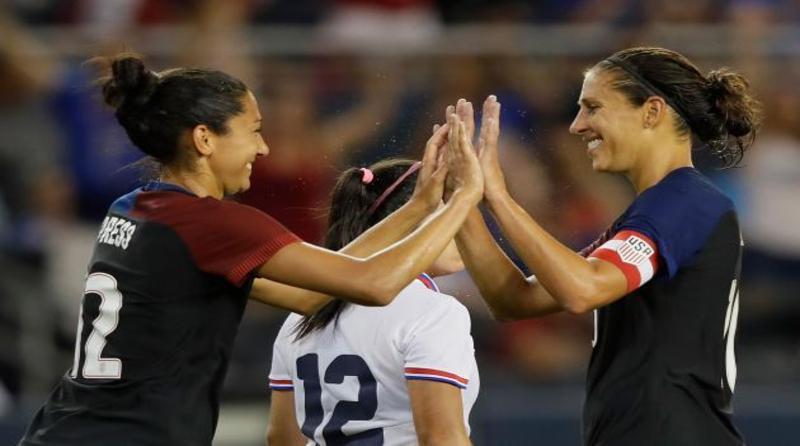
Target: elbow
[579, 302]
[500, 315]
[577, 307]
[453, 437]
[272, 437]
[378, 293]
[381, 298]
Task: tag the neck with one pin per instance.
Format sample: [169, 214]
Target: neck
[199, 183]
[658, 163]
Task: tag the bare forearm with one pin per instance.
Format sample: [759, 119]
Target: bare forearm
[389, 230]
[504, 288]
[386, 232]
[421, 247]
[567, 277]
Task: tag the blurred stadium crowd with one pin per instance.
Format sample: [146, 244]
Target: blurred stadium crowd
[349, 82]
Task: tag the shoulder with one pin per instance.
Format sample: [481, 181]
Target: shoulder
[683, 193]
[678, 214]
[418, 309]
[286, 333]
[422, 302]
[172, 207]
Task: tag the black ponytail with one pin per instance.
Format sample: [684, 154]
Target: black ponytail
[157, 109]
[350, 215]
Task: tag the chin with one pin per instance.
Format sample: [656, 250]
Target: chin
[598, 165]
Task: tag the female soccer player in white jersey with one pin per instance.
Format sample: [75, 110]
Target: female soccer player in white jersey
[393, 375]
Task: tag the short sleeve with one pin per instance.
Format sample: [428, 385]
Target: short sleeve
[225, 238]
[678, 215]
[439, 347]
[238, 240]
[280, 375]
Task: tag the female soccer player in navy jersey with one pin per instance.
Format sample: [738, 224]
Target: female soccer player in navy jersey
[663, 279]
[174, 263]
[414, 359]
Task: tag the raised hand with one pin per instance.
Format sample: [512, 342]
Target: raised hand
[466, 113]
[464, 169]
[495, 183]
[432, 174]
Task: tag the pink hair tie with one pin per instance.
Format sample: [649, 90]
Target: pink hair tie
[366, 175]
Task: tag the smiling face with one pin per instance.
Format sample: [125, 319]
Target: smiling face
[610, 125]
[236, 150]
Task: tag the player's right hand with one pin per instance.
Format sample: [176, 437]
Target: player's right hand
[495, 182]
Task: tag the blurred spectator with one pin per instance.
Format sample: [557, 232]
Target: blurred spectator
[380, 25]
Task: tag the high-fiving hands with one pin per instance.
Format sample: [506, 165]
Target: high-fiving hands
[494, 180]
[450, 162]
[494, 184]
[464, 171]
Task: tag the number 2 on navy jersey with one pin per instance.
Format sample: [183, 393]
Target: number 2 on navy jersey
[94, 365]
[362, 409]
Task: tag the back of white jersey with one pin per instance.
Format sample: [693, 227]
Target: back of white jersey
[349, 379]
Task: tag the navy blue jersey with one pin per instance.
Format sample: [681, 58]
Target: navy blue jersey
[663, 369]
[166, 288]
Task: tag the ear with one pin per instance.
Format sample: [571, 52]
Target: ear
[655, 108]
[203, 139]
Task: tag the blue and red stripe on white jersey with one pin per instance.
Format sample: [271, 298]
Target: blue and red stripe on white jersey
[428, 282]
[421, 335]
[418, 373]
[281, 384]
[634, 253]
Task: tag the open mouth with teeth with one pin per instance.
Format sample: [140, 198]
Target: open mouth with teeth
[594, 143]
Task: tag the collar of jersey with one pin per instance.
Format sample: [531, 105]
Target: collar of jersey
[161, 186]
[428, 282]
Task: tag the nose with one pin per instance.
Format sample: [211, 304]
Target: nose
[263, 148]
[578, 125]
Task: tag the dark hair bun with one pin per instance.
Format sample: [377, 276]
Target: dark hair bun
[729, 94]
[131, 84]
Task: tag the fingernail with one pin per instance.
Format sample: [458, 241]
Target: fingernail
[492, 97]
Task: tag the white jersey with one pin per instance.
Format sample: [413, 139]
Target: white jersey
[349, 379]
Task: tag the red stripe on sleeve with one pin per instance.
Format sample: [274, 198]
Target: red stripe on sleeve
[631, 272]
[422, 371]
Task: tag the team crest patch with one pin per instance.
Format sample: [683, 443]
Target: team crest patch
[634, 250]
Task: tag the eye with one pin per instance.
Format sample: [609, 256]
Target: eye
[591, 109]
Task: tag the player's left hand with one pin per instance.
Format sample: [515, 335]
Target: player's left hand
[432, 174]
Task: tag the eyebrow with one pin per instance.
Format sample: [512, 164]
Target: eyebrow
[587, 101]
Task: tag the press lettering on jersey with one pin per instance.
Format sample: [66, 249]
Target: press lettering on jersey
[116, 231]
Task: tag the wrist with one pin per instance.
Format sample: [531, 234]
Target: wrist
[496, 198]
[419, 205]
[471, 194]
